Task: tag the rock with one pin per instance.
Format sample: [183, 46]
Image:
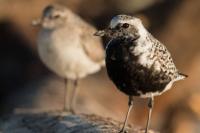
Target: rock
[62, 123]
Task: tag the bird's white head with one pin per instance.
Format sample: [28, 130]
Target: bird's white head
[125, 19]
[126, 24]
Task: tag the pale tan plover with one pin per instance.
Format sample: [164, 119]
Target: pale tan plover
[66, 46]
[137, 63]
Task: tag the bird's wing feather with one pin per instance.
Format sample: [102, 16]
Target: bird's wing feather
[91, 44]
[166, 62]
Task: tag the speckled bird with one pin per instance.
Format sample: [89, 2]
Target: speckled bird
[137, 63]
[66, 47]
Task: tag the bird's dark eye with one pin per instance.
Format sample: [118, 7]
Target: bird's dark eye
[55, 16]
[125, 25]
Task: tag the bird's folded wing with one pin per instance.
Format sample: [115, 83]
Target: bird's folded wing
[92, 45]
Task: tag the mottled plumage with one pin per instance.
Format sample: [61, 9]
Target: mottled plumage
[137, 63]
[142, 73]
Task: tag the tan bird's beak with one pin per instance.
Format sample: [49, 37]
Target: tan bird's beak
[36, 22]
[100, 33]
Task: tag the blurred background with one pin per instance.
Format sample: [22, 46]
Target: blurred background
[26, 85]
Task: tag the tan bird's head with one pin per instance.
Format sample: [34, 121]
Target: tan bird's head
[53, 16]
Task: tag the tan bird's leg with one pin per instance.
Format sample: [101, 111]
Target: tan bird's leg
[66, 96]
[73, 98]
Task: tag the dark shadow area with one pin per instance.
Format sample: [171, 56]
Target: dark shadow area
[18, 64]
[159, 13]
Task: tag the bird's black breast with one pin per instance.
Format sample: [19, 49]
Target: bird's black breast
[129, 76]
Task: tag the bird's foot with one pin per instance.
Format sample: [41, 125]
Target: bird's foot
[69, 109]
[123, 131]
[145, 131]
[65, 109]
[72, 111]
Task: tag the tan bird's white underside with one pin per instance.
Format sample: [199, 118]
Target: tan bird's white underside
[64, 54]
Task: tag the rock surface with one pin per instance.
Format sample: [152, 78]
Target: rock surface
[61, 123]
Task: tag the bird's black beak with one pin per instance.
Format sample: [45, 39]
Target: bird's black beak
[100, 33]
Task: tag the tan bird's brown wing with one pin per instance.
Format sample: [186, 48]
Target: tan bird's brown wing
[91, 44]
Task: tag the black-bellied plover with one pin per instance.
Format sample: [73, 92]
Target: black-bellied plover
[66, 46]
[137, 63]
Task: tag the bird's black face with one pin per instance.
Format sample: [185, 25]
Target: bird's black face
[122, 30]
[123, 26]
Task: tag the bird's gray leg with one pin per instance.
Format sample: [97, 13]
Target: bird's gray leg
[73, 98]
[66, 96]
[150, 105]
[130, 104]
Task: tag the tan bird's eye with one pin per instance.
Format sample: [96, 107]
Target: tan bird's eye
[56, 16]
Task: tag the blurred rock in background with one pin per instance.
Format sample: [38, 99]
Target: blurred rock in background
[27, 86]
